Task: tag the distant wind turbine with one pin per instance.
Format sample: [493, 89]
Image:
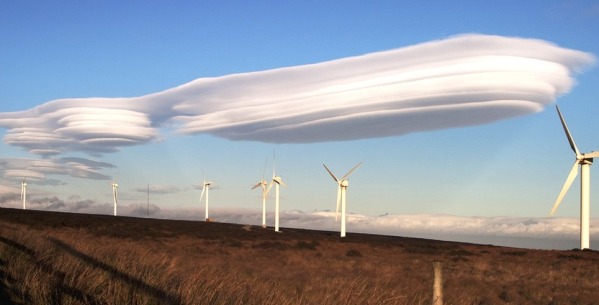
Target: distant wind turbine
[115, 187]
[276, 181]
[24, 193]
[265, 191]
[341, 192]
[585, 161]
[206, 190]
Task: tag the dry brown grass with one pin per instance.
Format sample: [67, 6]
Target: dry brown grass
[54, 258]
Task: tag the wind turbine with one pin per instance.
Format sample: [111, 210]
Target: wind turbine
[205, 189]
[276, 180]
[265, 191]
[341, 191]
[585, 161]
[115, 187]
[24, 193]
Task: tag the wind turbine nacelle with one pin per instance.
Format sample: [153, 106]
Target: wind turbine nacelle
[344, 183]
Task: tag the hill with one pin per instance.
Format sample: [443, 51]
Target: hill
[63, 258]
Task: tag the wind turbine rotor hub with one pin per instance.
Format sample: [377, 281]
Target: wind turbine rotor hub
[344, 183]
[581, 159]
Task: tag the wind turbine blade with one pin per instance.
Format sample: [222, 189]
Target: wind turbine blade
[257, 185]
[264, 193]
[282, 183]
[203, 190]
[570, 139]
[270, 186]
[338, 202]
[274, 163]
[594, 154]
[349, 173]
[330, 173]
[566, 187]
[264, 171]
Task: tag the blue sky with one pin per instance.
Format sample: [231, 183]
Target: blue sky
[512, 168]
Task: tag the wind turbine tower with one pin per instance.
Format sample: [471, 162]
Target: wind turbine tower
[24, 193]
[584, 161]
[115, 187]
[343, 183]
[206, 190]
[263, 183]
[276, 181]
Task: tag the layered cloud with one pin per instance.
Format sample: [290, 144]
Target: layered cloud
[96, 125]
[38, 171]
[459, 81]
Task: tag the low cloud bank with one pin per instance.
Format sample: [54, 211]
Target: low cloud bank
[525, 232]
[459, 81]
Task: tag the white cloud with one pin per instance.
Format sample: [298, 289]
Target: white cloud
[459, 81]
[37, 171]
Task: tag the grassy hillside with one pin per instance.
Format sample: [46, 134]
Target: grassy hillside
[61, 258]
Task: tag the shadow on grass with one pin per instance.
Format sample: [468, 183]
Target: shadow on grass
[161, 297]
[47, 268]
[4, 291]
[157, 294]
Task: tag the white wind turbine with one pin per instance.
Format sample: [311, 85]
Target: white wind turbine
[341, 191]
[24, 193]
[265, 191]
[205, 189]
[585, 161]
[277, 181]
[115, 187]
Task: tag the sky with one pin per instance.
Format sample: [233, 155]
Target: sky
[166, 95]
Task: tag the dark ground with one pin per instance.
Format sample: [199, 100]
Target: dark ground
[497, 275]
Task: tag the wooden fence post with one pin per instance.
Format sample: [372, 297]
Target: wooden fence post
[438, 284]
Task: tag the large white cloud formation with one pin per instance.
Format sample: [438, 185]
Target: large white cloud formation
[459, 81]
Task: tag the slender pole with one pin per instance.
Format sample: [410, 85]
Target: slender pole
[148, 209]
[277, 207]
[585, 178]
[437, 284]
[343, 190]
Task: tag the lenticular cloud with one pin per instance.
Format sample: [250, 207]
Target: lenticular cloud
[459, 81]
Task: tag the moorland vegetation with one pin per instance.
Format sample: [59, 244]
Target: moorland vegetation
[64, 258]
